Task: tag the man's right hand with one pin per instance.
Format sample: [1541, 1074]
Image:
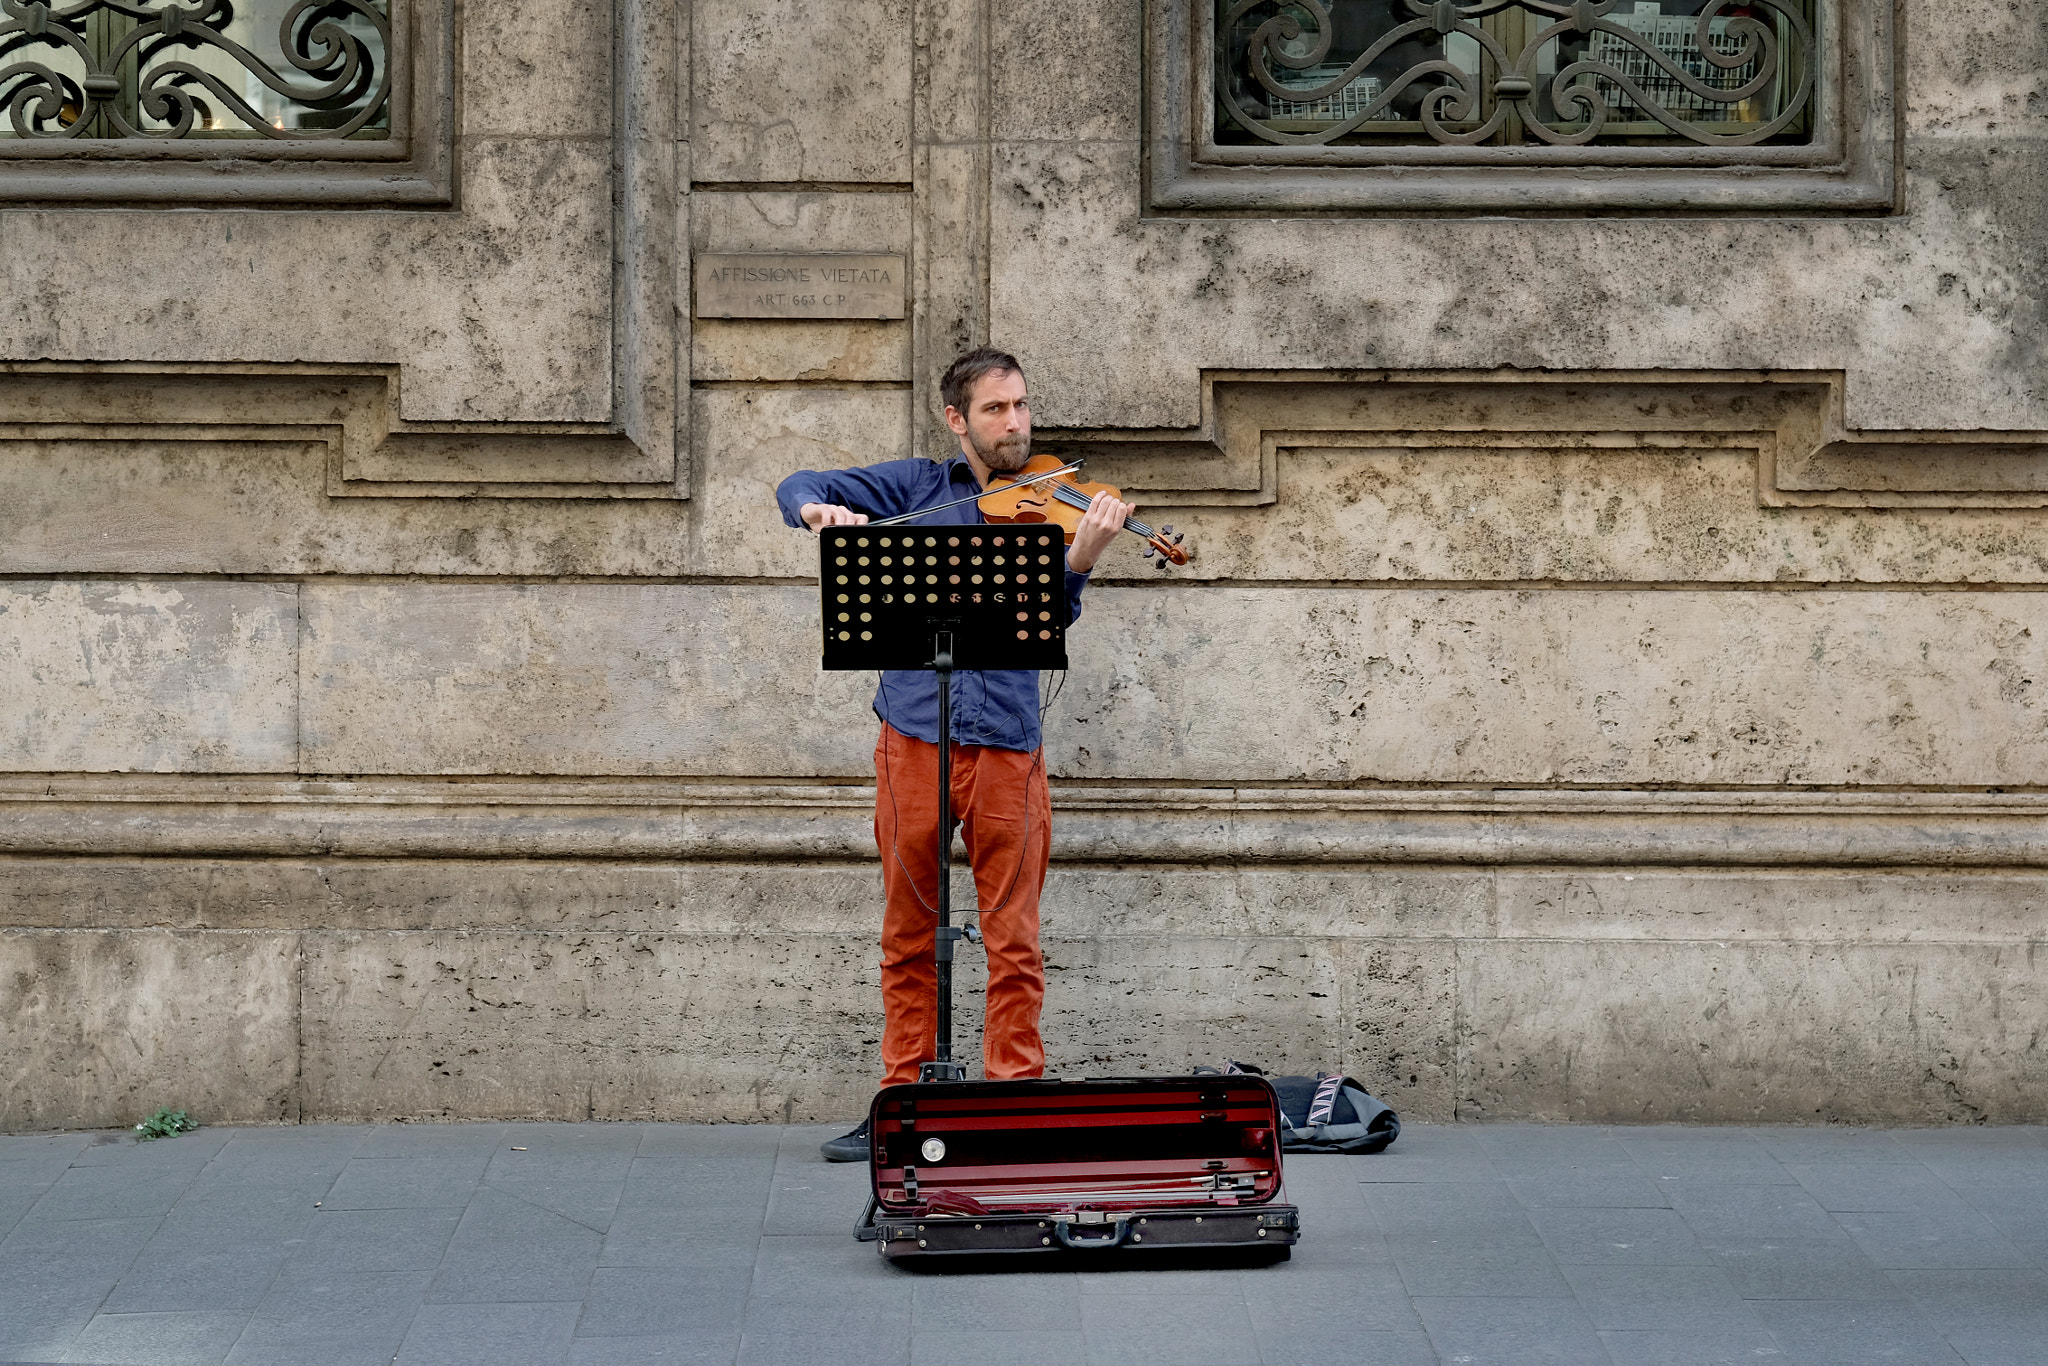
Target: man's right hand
[818, 516]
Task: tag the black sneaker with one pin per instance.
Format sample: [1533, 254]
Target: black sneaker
[851, 1147]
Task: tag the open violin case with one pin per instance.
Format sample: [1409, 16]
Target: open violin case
[1139, 1164]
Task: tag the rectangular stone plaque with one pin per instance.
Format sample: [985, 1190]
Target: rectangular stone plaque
[786, 285]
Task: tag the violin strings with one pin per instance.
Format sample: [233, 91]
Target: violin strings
[1074, 498]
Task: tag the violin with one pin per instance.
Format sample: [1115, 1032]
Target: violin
[1045, 490]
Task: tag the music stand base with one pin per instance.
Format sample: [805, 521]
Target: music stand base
[942, 1071]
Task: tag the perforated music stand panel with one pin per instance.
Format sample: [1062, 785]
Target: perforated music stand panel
[887, 591]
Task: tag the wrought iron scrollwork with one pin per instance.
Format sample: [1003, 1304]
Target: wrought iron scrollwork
[1734, 73]
[138, 69]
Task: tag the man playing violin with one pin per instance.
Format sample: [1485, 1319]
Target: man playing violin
[1000, 798]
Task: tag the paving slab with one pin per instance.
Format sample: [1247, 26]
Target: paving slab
[118, 1148]
[1008, 1347]
[995, 1303]
[713, 1186]
[1854, 1333]
[507, 1251]
[623, 1244]
[1958, 1238]
[1663, 1347]
[449, 1180]
[1493, 1330]
[1619, 1237]
[334, 1318]
[55, 1276]
[177, 1338]
[1600, 1186]
[432, 1140]
[671, 1302]
[489, 1335]
[688, 1350]
[1688, 1299]
[376, 1239]
[1185, 1329]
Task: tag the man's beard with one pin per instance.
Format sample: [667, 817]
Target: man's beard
[1006, 454]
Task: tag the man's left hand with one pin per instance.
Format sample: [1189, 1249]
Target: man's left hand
[1099, 526]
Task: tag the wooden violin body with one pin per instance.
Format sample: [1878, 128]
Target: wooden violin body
[1027, 495]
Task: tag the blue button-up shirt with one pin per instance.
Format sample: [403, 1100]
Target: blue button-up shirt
[997, 707]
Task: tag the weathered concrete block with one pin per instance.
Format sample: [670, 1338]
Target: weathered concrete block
[1414, 686]
[1624, 687]
[1974, 68]
[588, 678]
[99, 1028]
[114, 893]
[1919, 309]
[798, 90]
[1383, 1010]
[576, 1026]
[539, 68]
[716, 1027]
[758, 437]
[245, 507]
[460, 988]
[1758, 906]
[802, 220]
[1642, 515]
[193, 677]
[788, 350]
[176, 508]
[1063, 69]
[499, 312]
[714, 899]
[1713, 1032]
[1091, 900]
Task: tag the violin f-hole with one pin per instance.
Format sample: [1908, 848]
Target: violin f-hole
[1030, 511]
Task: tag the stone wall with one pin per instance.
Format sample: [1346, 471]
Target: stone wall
[1609, 684]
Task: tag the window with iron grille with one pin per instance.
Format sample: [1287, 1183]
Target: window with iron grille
[1609, 73]
[1522, 106]
[281, 70]
[249, 102]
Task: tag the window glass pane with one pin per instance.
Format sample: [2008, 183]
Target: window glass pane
[209, 69]
[1359, 72]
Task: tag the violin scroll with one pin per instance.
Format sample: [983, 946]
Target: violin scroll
[1166, 545]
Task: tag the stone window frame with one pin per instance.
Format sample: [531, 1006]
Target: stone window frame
[414, 167]
[1849, 167]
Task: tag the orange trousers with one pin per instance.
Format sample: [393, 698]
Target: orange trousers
[1004, 813]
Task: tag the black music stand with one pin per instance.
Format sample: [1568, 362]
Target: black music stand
[973, 596]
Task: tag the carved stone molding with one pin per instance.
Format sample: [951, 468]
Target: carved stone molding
[353, 412]
[1807, 454]
[769, 821]
[640, 452]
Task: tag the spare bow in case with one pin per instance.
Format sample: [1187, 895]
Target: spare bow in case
[1139, 1164]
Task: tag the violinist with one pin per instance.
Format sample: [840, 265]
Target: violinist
[1000, 797]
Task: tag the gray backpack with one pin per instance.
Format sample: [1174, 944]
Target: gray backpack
[1326, 1113]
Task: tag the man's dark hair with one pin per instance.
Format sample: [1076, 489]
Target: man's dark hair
[967, 370]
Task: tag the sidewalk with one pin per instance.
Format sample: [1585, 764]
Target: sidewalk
[631, 1243]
